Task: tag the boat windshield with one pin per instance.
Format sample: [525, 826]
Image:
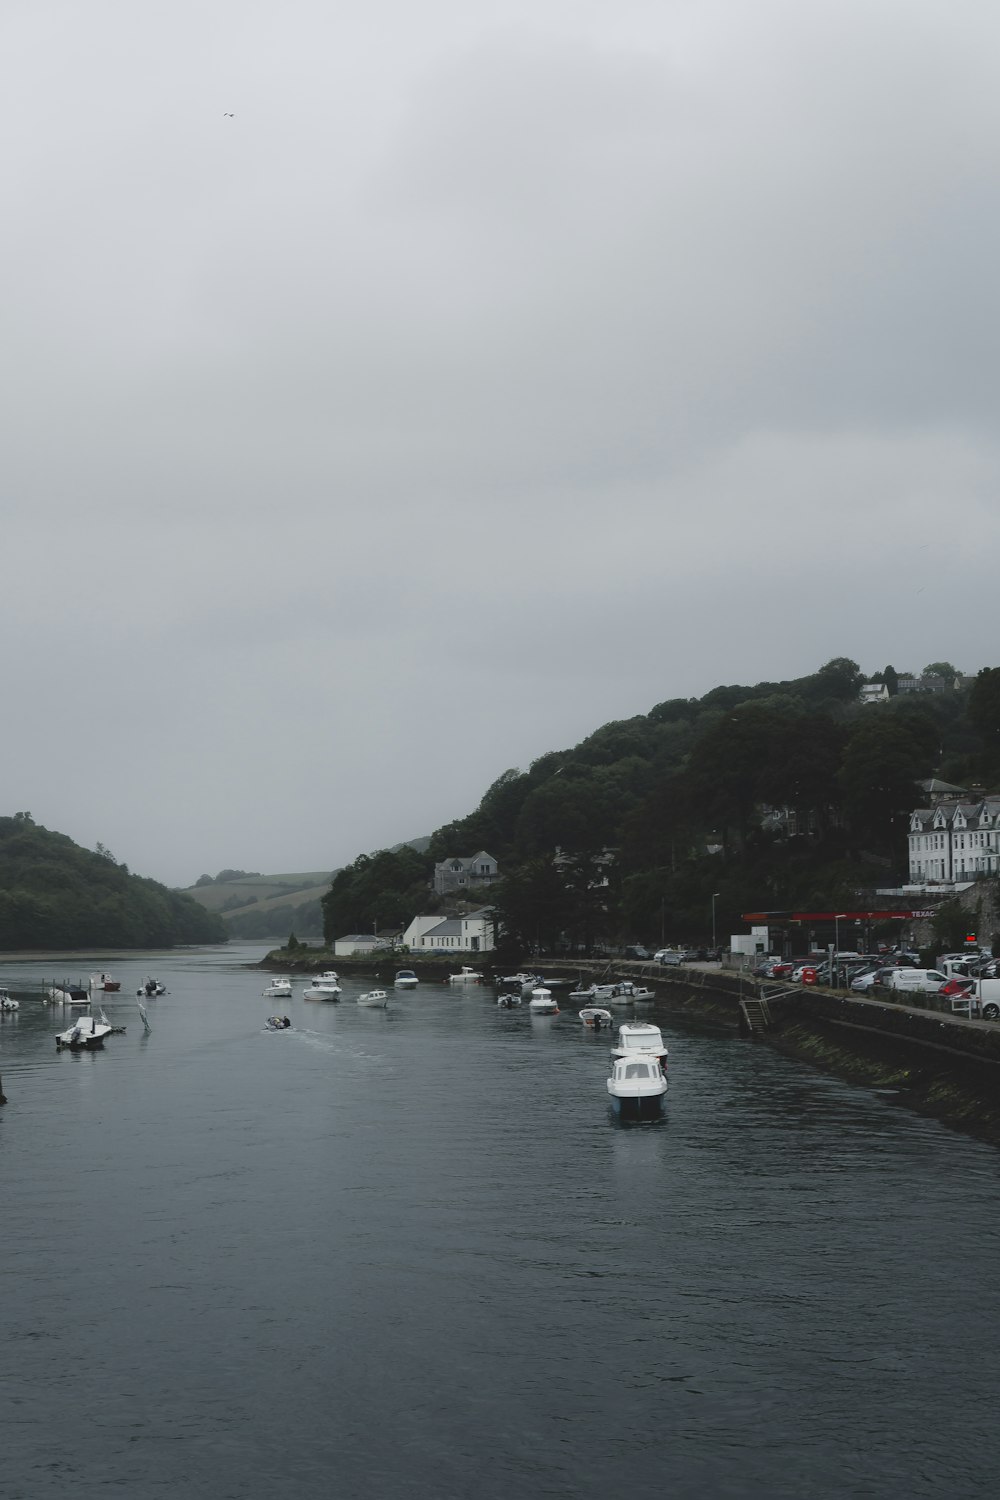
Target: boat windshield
[639, 1070]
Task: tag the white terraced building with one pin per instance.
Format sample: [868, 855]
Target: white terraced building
[956, 840]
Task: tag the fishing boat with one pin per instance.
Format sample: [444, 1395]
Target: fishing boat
[637, 1086]
[374, 1000]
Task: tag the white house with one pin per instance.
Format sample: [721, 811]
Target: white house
[874, 692]
[357, 942]
[470, 933]
[957, 839]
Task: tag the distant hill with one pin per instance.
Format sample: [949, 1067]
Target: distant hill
[55, 895]
[254, 905]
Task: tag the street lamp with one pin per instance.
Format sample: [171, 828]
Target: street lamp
[836, 948]
[714, 894]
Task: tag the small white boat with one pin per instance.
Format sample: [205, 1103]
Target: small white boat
[597, 1017]
[594, 993]
[375, 999]
[85, 1033]
[520, 981]
[277, 1023]
[467, 976]
[510, 1000]
[641, 1039]
[323, 988]
[406, 980]
[637, 1086]
[152, 987]
[279, 989]
[104, 982]
[7, 1001]
[543, 1003]
[625, 990]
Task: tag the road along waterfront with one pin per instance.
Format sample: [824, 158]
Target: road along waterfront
[409, 1252]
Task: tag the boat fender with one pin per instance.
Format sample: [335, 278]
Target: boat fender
[808, 976]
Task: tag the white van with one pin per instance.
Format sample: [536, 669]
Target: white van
[917, 981]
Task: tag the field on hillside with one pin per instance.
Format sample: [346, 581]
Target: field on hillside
[261, 891]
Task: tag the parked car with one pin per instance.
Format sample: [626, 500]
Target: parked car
[917, 981]
[870, 979]
[636, 951]
[668, 956]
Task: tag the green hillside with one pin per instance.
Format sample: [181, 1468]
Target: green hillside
[777, 795]
[55, 895]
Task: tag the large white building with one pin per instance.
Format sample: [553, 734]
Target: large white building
[470, 933]
[955, 840]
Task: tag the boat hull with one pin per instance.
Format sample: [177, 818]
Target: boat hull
[638, 1107]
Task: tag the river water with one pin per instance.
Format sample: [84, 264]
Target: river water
[411, 1253]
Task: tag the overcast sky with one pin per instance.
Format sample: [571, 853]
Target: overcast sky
[496, 370]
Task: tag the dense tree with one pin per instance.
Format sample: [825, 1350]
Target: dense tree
[53, 894]
[984, 715]
[941, 669]
[884, 759]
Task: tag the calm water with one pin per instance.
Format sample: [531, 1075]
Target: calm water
[410, 1253]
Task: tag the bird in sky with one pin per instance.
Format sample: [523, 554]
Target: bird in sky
[228, 116]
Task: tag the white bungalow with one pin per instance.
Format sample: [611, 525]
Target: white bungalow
[470, 933]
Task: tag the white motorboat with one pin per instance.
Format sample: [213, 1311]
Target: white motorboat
[509, 1000]
[467, 976]
[277, 1023]
[104, 982]
[375, 999]
[520, 981]
[641, 1039]
[7, 1001]
[597, 1017]
[325, 987]
[543, 1003]
[279, 989]
[85, 1033]
[594, 993]
[637, 1086]
[406, 980]
[626, 991]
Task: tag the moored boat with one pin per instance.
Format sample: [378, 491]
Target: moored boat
[641, 1039]
[543, 1003]
[279, 989]
[597, 1017]
[323, 987]
[104, 982]
[85, 1034]
[467, 976]
[637, 1086]
[374, 1000]
[406, 980]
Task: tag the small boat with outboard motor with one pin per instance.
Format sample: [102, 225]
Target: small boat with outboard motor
[277, 1023]
[597, 1018]
[374, 1000]
[85, 1034]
